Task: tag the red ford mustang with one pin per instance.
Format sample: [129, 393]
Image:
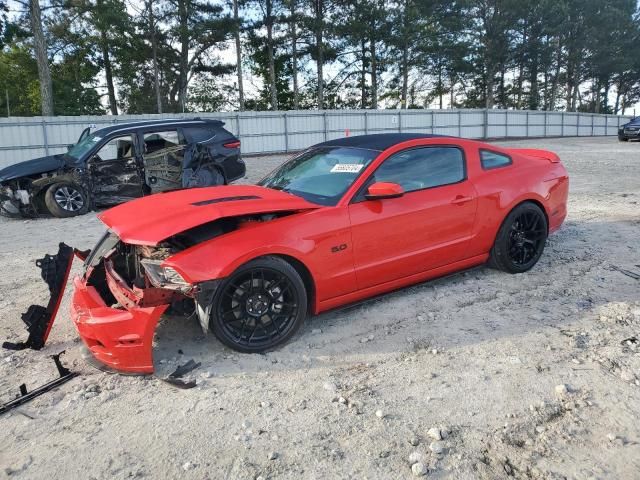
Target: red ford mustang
[342, 221]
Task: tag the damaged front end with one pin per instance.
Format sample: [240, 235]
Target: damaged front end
[25, 196]
[119, 300]
[16, 199]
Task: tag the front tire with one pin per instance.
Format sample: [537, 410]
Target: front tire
[66, 199]
[623, 139]
[520, 240]
[260, 306]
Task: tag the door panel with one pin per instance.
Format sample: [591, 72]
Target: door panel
[424, 229]
[115, 171]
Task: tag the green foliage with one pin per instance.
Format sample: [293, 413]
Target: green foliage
[19, 78]
[539, 54]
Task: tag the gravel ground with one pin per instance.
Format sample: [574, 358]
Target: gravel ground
[478, 375]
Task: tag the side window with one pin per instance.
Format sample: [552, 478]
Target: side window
[118, 148]
[421, 168]
[160, 141]
[490, 159]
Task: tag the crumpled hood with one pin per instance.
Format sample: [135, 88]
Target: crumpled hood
[31, 167]
[149, 220]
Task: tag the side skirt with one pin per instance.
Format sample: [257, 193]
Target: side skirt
[367, 293]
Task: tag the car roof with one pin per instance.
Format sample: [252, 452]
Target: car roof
[195, 122]
[377, 141]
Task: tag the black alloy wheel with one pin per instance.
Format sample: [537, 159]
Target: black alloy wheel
[260, 306]
[526, 238]
[521, 239]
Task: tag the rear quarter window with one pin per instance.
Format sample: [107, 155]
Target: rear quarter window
[489, 159]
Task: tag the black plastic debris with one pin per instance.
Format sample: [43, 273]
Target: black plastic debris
[25, 396]
[628, 273]
[39, 319]
[175, 378]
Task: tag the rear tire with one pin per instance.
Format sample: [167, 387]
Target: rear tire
[66, 199]
[260, 306]
[520, 240]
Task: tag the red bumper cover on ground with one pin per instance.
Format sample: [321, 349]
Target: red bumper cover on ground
[121, 339]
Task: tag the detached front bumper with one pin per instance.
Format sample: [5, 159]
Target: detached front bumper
[120, 338]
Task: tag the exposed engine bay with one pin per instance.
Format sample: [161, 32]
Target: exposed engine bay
[133, 276]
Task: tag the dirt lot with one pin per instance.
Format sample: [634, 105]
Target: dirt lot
[528, 376]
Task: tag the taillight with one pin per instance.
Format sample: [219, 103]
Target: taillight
[234, 144]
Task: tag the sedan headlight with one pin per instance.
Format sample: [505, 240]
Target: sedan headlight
[164, 277]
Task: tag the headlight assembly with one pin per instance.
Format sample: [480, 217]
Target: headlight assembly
[164, 277]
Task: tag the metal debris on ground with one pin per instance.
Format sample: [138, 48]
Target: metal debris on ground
[25, 396]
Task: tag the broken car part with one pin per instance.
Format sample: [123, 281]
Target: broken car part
[25, 396]
[628, 273]
[55, 272]
[175, 378]
[182, 370]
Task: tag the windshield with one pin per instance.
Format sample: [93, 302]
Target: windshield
[320, 175]
[81, 148]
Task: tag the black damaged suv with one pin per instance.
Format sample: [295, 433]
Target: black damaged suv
[122, 162]
[630, 130]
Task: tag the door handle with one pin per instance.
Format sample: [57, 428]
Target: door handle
[461, 200]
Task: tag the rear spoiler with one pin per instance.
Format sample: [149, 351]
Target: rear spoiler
[535, 153]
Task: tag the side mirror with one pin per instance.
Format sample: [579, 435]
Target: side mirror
[382, 190]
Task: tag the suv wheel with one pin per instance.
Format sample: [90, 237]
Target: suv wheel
[66, 199]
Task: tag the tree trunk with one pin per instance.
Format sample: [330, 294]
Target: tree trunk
[270, 54]
[489, 101]
[374, 76]
[183, 73]
[236, 17]
[294, 53]
[452, 92]
[405, 59]
[503, 90]
[42, 60]
[154, 50]
[363, 74]
[440, 88]
[618, 95]
[556, 78]
[108, 73]
[319, 31]
[108, 69]
[575, 91]
[405, 76]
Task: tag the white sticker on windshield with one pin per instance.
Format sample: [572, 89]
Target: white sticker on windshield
[346, 168]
